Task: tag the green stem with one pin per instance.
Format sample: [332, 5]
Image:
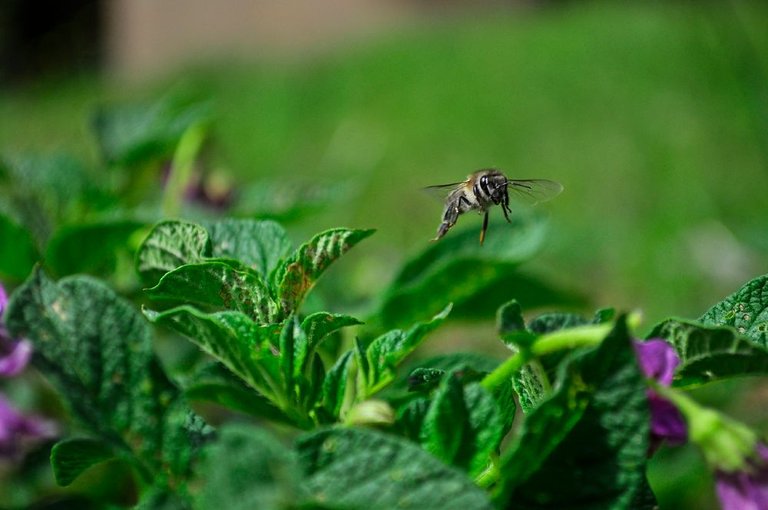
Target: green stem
[369, 392]
[725, 442]
[181, 168]
[504, 372]
[572, 338]
[490, 475]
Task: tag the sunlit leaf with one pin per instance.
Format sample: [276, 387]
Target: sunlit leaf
[236, 341]
[746, 310]
[258, 244]
[708, 353]
[299, 272]
[169, 245]
[218, 285]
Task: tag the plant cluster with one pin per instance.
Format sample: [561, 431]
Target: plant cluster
[324, 410]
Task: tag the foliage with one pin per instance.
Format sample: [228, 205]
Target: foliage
[278, 400]
[235, 288]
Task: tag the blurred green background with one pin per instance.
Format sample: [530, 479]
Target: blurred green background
[653, 116]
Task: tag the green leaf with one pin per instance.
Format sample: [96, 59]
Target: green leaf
[169, 245]
[470, 365]
[318, 326]
[286, 199]
[457, 268]
[387, 351]
[363, 367]
[529, 289]
[248, 468]
[462, 426]
[549, 322]
[338, 392]
[312, 390]
[132, 134]
[451, 361]
[292, 345]
[260, 245]
[591, 435]
[18, 253]
[443, 432]
[510, 325]
[708, 353]
[746, 310]
[425, 379]
[297, 275]
[410, 417]
[90, 248]
[504, 395]
[533, 382]
[218, 285]
[45, 190]
[70, 457]
[240, 344]
[214, 383]
[96, 349]
[358, 468]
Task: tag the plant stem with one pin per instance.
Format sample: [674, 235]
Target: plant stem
[582, 336]
[490, 475]
[504, 372]
[181, 168]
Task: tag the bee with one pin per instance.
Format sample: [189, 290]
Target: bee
[486, 188]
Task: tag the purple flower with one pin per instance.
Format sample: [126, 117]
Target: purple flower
[18, 431]
[14, 354]
[213, 191]
[658, 360]
[746, 488]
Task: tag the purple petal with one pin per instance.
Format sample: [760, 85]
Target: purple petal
[3, 300]
[14, 356]
[16, 430]
[657, 359]
[739, 491]
[745, 489]
[762, 453]
[667, 423]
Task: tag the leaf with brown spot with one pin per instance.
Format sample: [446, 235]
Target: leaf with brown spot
[217, 285]
[299, 273]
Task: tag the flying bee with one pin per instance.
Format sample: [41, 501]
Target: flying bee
[486, 188]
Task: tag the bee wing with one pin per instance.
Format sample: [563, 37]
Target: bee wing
[441, 191]
[533, 191]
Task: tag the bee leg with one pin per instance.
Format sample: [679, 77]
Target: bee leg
[505, 206]
[485, 227]
[449, 219]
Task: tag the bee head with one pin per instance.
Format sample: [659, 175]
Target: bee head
[496, 184]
